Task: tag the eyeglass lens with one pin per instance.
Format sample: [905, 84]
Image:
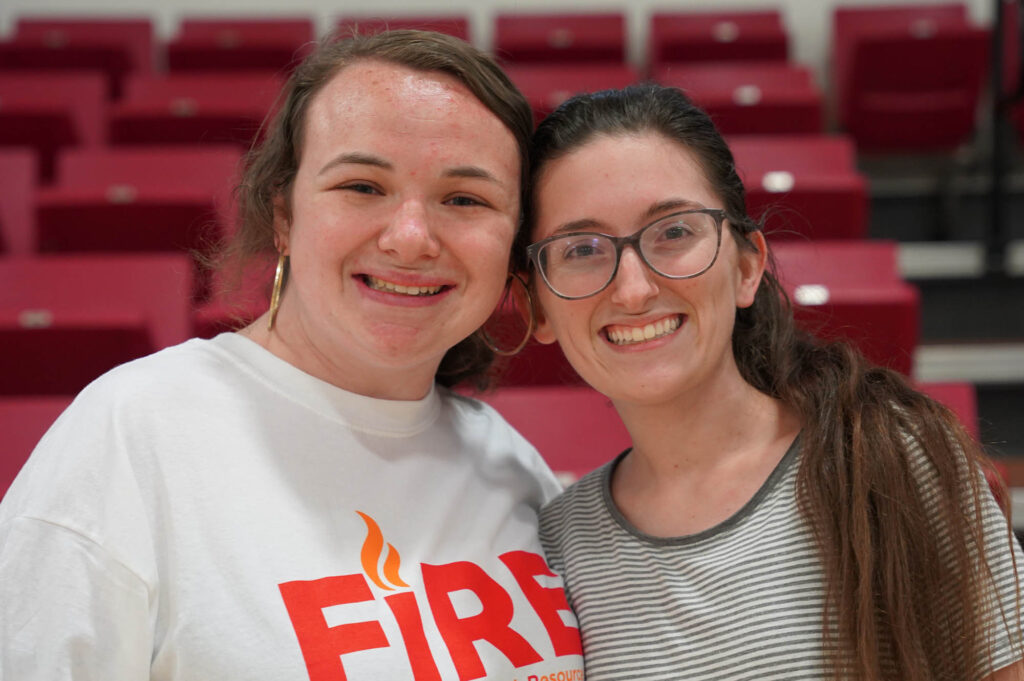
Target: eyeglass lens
[680, 245]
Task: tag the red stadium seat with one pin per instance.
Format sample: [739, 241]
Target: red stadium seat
[575, 428]
[23, 421]
[960, 398]
[115, 47]
[809, 184]
[17, 188]
[193, 108]
[457, 26]
[240, 44]
[559, 38]
[137, 199]
[752, 98]
[64, 320]
[545, 87]
[853, 290]
[890, 95]
[717, 36]
[50, 111]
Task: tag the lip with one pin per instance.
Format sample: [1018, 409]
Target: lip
[640, 323]
[399, 299]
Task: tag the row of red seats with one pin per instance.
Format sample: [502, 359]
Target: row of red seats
[66, 319]
[541, 414]
[889, 94]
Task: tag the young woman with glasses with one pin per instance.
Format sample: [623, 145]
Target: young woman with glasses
[786, 510]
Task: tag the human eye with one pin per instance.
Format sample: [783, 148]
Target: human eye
[360, 188]
[581, 248]
[465, 201]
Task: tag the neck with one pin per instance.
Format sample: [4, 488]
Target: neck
[298, 350]
[699, 432]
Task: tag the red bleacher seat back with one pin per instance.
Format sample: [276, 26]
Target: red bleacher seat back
[17, 190]
[751, 97]
[64, 320]
[547, 86]
[193, 108]
[236, 44]
[809, 184]
[115, 47]
[757, 35]
[555, 38]
[23, 421]
[890, 95]
[50, 111]
[138, 199]
[457, 26]
[575, 428]
[853, 290]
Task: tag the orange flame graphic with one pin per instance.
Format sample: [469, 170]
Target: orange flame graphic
[373, 547]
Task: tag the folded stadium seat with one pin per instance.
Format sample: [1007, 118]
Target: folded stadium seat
[51, 111]
[853, 290]
[559, 38]
[66, 319]
[240, 44]
[547, 86]
[457, 26]
[137, 199]
[891, 97]
[193, 108]
[716, 36]
[115, 47]
[17, 187]
[23, 420]
[808, 184]
[753, 98]
[575, 428]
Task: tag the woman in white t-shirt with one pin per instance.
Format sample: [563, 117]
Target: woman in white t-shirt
[786, 511]
[306, 498]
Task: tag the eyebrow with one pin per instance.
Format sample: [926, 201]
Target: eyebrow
[655, 209]
[361, 158]
[356, 157]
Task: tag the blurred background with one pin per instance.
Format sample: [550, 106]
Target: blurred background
[880, 141]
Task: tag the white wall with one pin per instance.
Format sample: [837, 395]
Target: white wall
[808, 21]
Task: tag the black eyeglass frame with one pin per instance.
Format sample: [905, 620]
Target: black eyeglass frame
[620, 242]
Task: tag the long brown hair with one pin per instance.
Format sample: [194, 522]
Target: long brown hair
[867, 441]
[270, 167]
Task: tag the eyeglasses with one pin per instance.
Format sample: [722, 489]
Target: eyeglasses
[577, 265]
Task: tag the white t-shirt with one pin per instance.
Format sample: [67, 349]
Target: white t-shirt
[212, 512]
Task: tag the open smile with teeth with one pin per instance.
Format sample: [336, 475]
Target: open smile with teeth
[382, 285]
[630, 335]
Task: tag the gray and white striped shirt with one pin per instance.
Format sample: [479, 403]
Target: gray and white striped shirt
[741, 600]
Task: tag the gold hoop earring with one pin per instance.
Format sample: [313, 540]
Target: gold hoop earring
[529, 325]
[275, 294]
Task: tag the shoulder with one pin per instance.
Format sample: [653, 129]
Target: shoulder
[582, 502]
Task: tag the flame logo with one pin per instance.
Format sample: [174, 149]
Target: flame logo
[373, 547]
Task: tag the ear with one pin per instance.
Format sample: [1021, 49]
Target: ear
[282, 224]
[751, 269]
[525, 298]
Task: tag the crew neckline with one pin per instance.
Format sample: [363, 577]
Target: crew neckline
[766, 489]
[360, 412]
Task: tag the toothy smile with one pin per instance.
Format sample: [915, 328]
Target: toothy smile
[389, 287]
[628, 335]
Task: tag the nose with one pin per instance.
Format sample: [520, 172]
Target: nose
[635, 284]
[409, 235]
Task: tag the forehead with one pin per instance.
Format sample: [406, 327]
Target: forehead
[616, 178]
[374, 91]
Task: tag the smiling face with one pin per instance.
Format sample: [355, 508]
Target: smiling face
[645, 338]
[402, 215]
